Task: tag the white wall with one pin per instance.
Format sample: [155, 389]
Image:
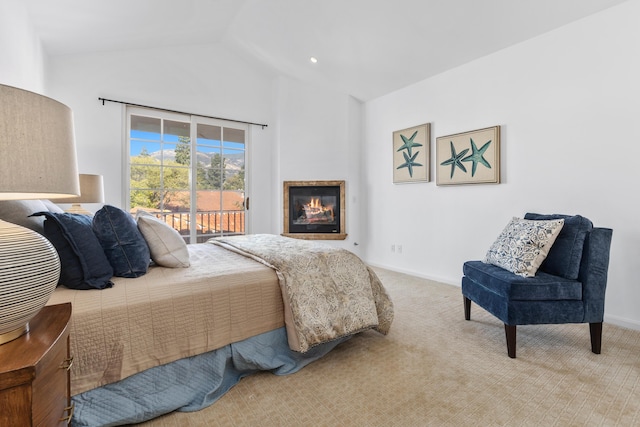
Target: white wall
[21, 57]
[567, 103]
[319, 138]
[206, 80]
[320, 127]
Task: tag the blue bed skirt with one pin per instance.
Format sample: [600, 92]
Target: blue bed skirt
[192, 383]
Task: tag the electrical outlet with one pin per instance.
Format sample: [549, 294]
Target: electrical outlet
[399, 249]
[393, 248]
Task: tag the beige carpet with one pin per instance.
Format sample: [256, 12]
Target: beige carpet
[436, 369]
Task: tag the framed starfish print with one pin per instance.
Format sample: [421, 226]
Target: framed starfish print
[469, 158]
[411, 154]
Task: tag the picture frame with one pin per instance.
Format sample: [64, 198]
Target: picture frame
[411, 154]
[471, 157]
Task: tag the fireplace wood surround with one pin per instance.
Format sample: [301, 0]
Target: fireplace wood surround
[314, 210]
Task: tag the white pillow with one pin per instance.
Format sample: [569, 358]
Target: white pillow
[167, 247]
[523, 245]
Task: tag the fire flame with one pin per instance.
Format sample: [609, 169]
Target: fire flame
[316, 211]
[315, 203]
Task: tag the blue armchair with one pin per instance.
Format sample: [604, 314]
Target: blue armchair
[569, 286]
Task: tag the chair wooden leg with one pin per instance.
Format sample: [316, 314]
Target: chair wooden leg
[510, 332]
[467, 308]
[595, 329]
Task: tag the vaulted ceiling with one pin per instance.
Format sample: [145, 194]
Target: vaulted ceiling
[365, 48]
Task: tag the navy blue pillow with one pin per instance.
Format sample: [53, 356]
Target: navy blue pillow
[565, 255]
[122, 242]
[83, 264]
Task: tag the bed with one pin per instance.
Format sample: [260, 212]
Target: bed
[176, 339]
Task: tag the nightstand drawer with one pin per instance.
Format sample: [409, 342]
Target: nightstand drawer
[34, 374]
[50, 386]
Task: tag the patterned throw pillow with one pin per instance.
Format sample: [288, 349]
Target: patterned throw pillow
[523, 245]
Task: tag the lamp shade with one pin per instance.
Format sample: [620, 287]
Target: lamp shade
[37, 146]
[91, 190]
[37, 160]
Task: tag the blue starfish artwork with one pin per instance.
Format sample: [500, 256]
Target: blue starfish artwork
[477, 156]
[409, 162]
[409, 143]
[455, 160]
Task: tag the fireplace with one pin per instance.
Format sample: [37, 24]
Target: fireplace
[314, 209]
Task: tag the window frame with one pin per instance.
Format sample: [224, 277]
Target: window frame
[193, 121]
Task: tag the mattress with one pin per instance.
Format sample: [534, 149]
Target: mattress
[169, 314]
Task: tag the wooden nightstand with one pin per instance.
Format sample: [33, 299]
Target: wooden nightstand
[35, 372]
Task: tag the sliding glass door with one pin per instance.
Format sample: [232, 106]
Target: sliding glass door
[188, 171]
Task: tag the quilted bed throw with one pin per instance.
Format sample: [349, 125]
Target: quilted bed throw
[328, 293]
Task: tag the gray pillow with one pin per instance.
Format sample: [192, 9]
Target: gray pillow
[52, 207]
[18, 211]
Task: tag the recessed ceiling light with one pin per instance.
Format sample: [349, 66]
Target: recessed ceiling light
[313, 59]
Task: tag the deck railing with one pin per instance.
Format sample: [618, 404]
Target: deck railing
[208, 223]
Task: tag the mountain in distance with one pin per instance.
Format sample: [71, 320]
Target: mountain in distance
[233, 162]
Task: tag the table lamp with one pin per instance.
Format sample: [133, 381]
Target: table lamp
[37, 161]
[91, 191]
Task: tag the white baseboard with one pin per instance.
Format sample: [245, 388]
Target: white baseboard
[417, 274]
[621, 321]
[614, 320]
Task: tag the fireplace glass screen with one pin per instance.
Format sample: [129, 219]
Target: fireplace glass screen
[314, 209]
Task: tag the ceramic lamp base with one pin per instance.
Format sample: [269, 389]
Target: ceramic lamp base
[29, 273]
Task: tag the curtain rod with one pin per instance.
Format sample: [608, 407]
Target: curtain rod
[180, 112]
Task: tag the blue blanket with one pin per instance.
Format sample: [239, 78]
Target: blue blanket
[192, 383]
